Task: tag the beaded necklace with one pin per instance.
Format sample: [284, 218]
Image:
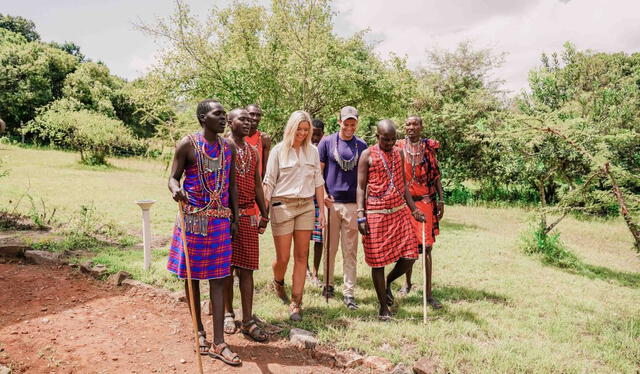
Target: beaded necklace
[207, 165]
[415, 157]
[345, 165]
[244, 158]
[389, 171]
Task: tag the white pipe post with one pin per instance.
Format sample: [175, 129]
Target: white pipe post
[145, 205]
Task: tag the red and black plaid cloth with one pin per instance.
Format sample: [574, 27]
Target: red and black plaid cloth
[245, 244]
[210, 255]
[391, 236]
[424, 184]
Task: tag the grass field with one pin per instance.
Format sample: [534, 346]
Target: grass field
[504, 311]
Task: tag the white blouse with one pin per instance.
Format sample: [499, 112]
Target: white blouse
[297, 176]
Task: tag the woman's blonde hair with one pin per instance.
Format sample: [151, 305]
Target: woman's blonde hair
[295, 119]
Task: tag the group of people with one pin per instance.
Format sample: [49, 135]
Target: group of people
[311, 187]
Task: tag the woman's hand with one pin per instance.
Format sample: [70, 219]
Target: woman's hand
[322, 222]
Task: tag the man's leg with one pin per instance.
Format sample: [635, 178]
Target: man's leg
[407, 282]
[334, 236]
[216, 293]
[429, 270]
[400, 268]
[349, 244]
[377, 274]
[246, 293]
[202, 335]
[229, 315]
[317, 257]
[228, 294]
[195, 284]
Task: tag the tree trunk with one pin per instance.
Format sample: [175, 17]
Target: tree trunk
[543, 206]
[633, 227]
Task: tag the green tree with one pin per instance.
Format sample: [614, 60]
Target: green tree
[284, 57]
[461, 106]
[92, 134]
[31, 75]
[71, 48]
[591, 103]
[19, 25]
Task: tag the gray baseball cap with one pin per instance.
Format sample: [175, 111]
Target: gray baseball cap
[348, 112]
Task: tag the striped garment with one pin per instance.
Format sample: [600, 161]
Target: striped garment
[391, 236]
[246, 249]
[209, 255]
[316, 236]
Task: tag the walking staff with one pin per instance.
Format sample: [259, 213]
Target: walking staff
[192, 307]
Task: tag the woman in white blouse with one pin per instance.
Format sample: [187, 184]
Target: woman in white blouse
[292, 179]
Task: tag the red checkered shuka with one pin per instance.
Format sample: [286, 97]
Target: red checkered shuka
[390, 236]
[245, 244]
[421, 181]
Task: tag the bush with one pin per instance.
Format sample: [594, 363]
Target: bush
[549, 246]
[92, 134]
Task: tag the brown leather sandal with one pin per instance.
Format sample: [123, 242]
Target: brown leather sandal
[203, 343]
[229, 358]
[252, 330]
[230, 327]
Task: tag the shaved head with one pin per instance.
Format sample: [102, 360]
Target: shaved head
[386, 134]
[386, 126]
[235, 113]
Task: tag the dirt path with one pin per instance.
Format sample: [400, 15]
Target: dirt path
[56, 320]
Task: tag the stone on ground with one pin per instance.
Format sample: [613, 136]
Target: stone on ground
[13, 249]
[377, 363]
[302, 338]
[425, 365]
[42, 257]
[117, 278]
[348, 359]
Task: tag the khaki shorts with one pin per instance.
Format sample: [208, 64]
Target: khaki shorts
[288, 215]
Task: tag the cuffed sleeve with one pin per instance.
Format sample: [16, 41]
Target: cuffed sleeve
[271, 174]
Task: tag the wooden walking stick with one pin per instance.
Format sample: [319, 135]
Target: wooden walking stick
[192, 305]
[326, 257]
[424, 276]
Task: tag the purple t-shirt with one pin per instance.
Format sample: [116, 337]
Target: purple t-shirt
[339, 183]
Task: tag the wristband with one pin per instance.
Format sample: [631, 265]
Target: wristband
[264, 219]
[362, 219]
[359, 210]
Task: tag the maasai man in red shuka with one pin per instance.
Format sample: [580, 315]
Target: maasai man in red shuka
[423, 179]
[259, 140]
[245, 257]
[383, 217]
[209, 202]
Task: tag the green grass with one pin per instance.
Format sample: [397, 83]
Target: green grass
[505, 311]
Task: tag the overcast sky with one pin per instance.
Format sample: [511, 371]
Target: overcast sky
[522, 28]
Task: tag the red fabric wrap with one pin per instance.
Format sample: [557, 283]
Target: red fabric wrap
[391, 236]
[246, 249]
[424, 184]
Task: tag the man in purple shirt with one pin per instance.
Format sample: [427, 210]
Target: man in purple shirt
[339, 155]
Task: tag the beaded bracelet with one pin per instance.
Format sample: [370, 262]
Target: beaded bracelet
[264, 219]
[362, 219]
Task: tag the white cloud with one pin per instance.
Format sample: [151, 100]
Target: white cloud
[523, 29]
